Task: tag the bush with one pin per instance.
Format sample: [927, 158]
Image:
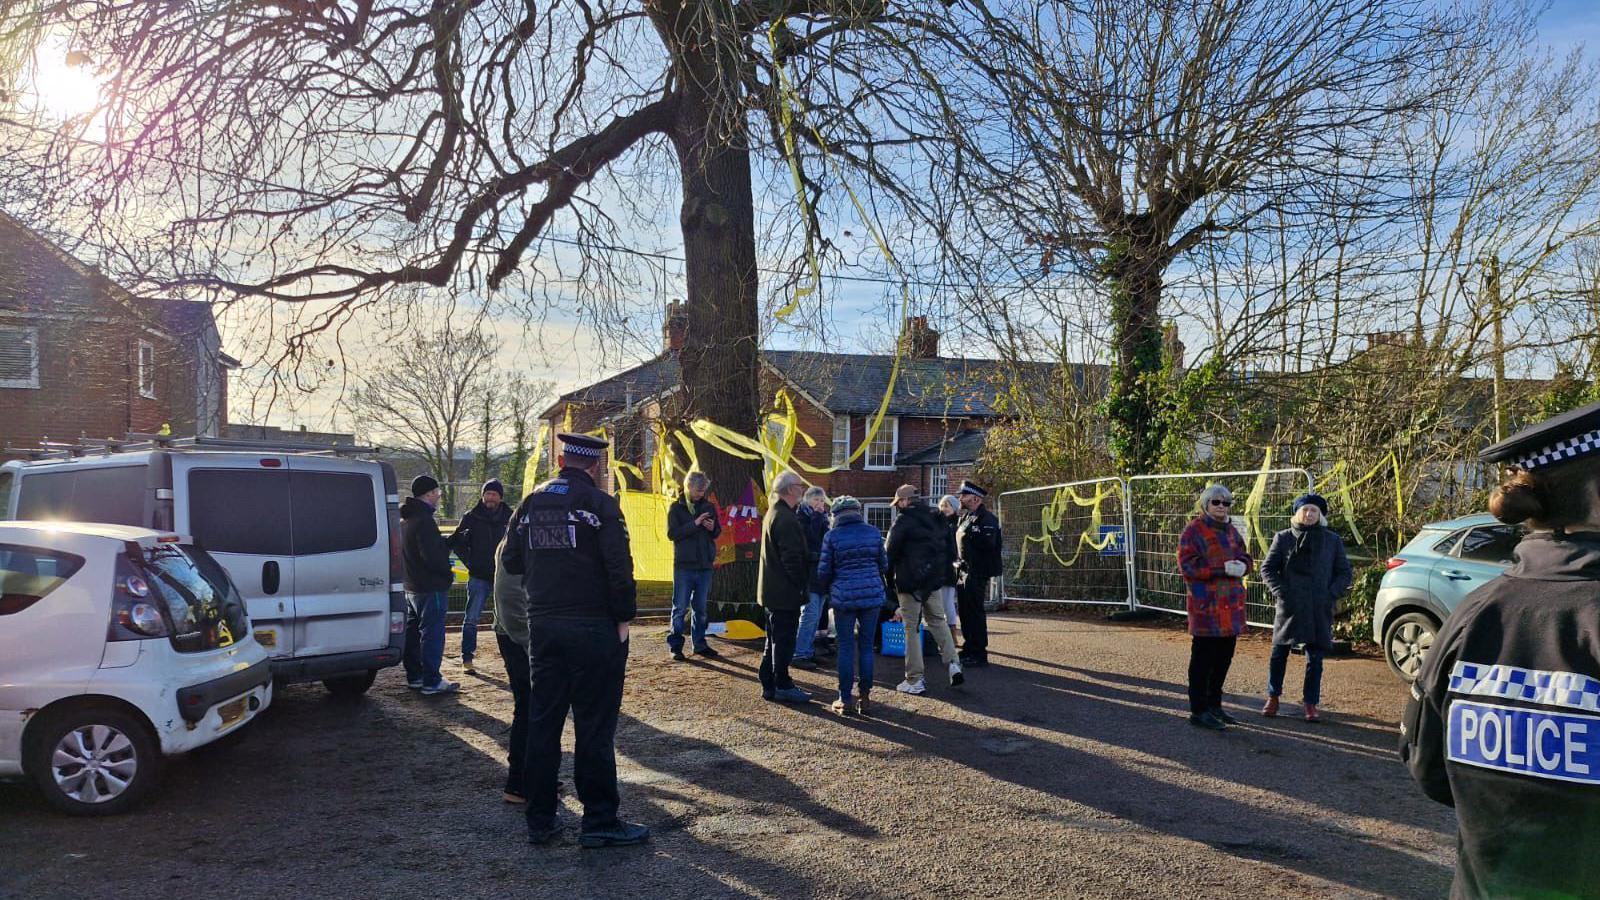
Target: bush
[1356, 623]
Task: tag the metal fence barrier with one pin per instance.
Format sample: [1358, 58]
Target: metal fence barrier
[1066, 543]
[1160, 506]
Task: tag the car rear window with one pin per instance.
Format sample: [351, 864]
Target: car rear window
[205, 608]
[333, 512]
[1491, 543]
[240, 510]
[111, 494]
[29, 574]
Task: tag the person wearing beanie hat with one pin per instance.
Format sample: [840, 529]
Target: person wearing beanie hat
[1306, 571]
[475, 543]
[428, 577]
[851, 570]
[918, 560]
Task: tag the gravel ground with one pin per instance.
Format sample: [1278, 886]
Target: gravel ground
[1066, 769]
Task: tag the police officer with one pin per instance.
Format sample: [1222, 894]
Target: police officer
[978, 559]
[1504, 718]
[569, 544]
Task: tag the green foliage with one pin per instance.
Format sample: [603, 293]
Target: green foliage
[1567, 391]
[1356, 623]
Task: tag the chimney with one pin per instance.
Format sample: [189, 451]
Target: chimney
[917, 340]
[1172, 346]
[675, 328]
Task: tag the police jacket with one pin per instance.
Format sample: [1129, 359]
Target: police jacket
[477, 538]
[917, 548]
[978, 543]
[423, 550]
[781, 584]
[1504, 724]
[569, 545]
[693, 547]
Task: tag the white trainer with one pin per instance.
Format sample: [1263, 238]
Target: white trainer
[912, 687]
[955, 673]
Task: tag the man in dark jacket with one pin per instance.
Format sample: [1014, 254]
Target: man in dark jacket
[978, 549]
[428, 578]
[692, 527]
[813, 513]
[475, 542]
[918, 560]
[569, 544]
[781, 587]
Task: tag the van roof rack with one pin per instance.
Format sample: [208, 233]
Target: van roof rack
[135, 442]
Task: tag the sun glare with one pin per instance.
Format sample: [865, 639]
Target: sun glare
[61, 84]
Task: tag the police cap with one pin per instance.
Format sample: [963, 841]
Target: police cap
[581, 445]
[1574, 434]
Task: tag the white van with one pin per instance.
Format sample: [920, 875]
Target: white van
[312, 540]
[118, 646]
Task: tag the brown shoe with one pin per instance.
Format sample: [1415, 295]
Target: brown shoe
[1270, 710]
[1311, 713]
[513, 798]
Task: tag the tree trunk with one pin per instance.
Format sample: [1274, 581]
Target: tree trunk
[719, 359]
[1137, 429]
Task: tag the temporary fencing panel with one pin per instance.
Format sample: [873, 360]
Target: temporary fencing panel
[1066, 543]
[1161, 506]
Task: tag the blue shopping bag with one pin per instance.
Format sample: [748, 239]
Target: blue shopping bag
[894, 638]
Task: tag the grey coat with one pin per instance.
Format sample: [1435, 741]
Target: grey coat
[1306, 578]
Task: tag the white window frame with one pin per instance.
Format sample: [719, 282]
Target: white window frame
[841, 445]
[892, 423]
[147, 370]
[867, 509]
[32, 381]
[936, 475]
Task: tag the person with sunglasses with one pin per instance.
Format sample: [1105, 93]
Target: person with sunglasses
[1214, 560]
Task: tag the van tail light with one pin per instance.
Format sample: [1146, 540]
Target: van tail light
[1394, 562]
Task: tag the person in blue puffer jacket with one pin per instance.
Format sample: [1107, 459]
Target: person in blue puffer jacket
[851, 570]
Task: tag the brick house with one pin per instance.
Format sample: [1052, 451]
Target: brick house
[932, 433]
[81, 357]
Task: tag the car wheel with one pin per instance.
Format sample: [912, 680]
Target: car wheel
[94, 760]
[1406, 643]
[351, 685]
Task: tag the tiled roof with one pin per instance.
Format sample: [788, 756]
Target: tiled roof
[962, 447]
[843, 383]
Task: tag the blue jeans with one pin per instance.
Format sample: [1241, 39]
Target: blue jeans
[690, 590]
[1278, 665]
[478, 591]
[810, 615]
[424, 647]
[855, 649]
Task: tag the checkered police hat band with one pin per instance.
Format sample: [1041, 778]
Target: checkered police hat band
[1561, 451]
[580, 450]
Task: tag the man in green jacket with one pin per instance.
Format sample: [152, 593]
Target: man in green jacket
[781, 587]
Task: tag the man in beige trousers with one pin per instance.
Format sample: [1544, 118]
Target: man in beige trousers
[918, 559]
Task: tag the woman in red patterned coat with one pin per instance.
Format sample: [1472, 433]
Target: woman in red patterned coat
[1214, 560]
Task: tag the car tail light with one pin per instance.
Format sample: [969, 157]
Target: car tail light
[1394, 562]
[136, 613]
[144, 618]
[397, 622]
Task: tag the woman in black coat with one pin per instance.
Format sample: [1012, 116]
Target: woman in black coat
[1307, 572]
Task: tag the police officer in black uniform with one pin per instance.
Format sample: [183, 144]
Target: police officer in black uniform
[978, 544]
[570, 545]
[1504, 718]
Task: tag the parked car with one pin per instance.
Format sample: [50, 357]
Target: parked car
[118, 645]
[1430, 577]
[311, 540]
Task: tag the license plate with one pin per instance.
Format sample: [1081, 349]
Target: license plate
[231, 713]
[267, 638]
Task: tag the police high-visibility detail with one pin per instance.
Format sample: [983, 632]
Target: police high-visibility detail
[1504, 718]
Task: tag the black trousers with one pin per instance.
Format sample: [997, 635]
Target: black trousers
[783, 625]
[575, 664]
[1209, 659]
[970, 594]
[516, 658]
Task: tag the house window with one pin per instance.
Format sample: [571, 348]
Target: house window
[880, 454]
[19, 357]
[841, 441]
[879, 515]
[938, 482]
[147, 370]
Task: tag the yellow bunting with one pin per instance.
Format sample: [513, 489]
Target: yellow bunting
[530, 470]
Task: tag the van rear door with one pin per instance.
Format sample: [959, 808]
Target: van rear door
[341, 580]
[238, 509]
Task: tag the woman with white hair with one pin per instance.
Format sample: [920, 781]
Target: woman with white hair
[1307, 571]
[1214, 560]
[950, 510]
[813, 512]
